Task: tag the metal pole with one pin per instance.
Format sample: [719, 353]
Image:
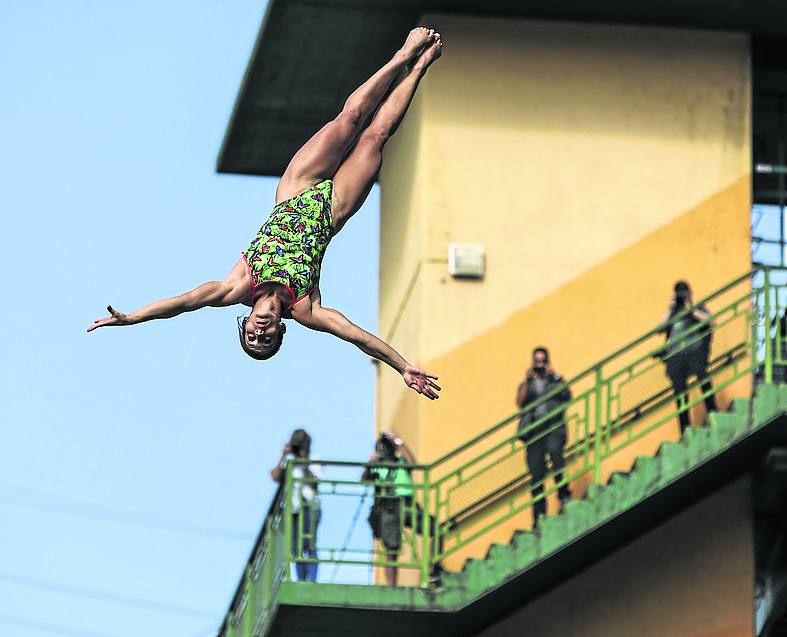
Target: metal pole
[248, 613]
[426, 535]
[767, 327]
[287, 495]
[597, 428]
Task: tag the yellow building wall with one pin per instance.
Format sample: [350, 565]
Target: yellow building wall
[693, 576]
[597, 165]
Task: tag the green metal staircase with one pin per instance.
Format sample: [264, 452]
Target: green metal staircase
[614, 509]
[623, 492]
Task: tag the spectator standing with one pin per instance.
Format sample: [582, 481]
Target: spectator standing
[686, 355]
[393, 506]
[544, 391]
[305, 501]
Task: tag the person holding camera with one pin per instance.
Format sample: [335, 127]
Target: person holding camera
[544, 391]
[394, 506]
[686, 355]
[305, 501]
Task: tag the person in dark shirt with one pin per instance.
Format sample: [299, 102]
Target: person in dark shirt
[686, 355]
[546, 440]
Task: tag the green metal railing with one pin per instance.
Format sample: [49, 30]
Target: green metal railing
[623, 400]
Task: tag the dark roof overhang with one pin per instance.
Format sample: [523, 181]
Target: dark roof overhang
[311, 54]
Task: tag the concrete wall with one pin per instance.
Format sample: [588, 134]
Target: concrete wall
[690, 577]
[597, 164]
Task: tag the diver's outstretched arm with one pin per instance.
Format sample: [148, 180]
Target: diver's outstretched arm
[311, 314]
[212, 293]
[233, 289]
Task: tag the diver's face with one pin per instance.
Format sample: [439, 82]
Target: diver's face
[262, 332]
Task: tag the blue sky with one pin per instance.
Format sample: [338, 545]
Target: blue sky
[134, 461]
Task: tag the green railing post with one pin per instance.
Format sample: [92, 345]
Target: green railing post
[597, 428]
[248, 612]
[287, 495]
[766, 290]
[426, 534]
[267, 568]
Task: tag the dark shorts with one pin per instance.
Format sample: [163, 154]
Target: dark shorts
[390, 516]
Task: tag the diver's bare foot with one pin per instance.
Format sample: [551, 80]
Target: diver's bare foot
[430, 54]
[416, 41]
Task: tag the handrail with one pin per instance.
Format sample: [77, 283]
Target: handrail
[259, 542]
[521, 479]
[596, 412]
[599, 400]
[586, 372]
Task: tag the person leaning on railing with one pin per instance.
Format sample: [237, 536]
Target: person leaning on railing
[545, 391]
[686, 355]
[393, 506]
[305, 501]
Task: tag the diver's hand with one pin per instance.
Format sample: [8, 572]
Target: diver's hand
[421, 381]
[116, 318]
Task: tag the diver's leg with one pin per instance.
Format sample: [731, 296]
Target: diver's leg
[320, 157]
[356, 175]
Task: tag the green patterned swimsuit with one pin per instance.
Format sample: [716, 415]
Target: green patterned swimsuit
[290, 245]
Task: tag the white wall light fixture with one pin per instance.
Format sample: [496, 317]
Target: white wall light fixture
[466, 260]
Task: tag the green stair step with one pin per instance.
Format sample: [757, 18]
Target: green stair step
[646, 470]
[741, 422]
[620, 487]
[603, 499]
[580, 516]
[453, 588]
[697, 441]
[554, 533]
[450, 593]
[479, 575]
[498, 552]
[452, 580]
[767, 404]
[740, 406]
[723, 428]
[474, 575]
[500, 560]
[526, 549]
[673, 460]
